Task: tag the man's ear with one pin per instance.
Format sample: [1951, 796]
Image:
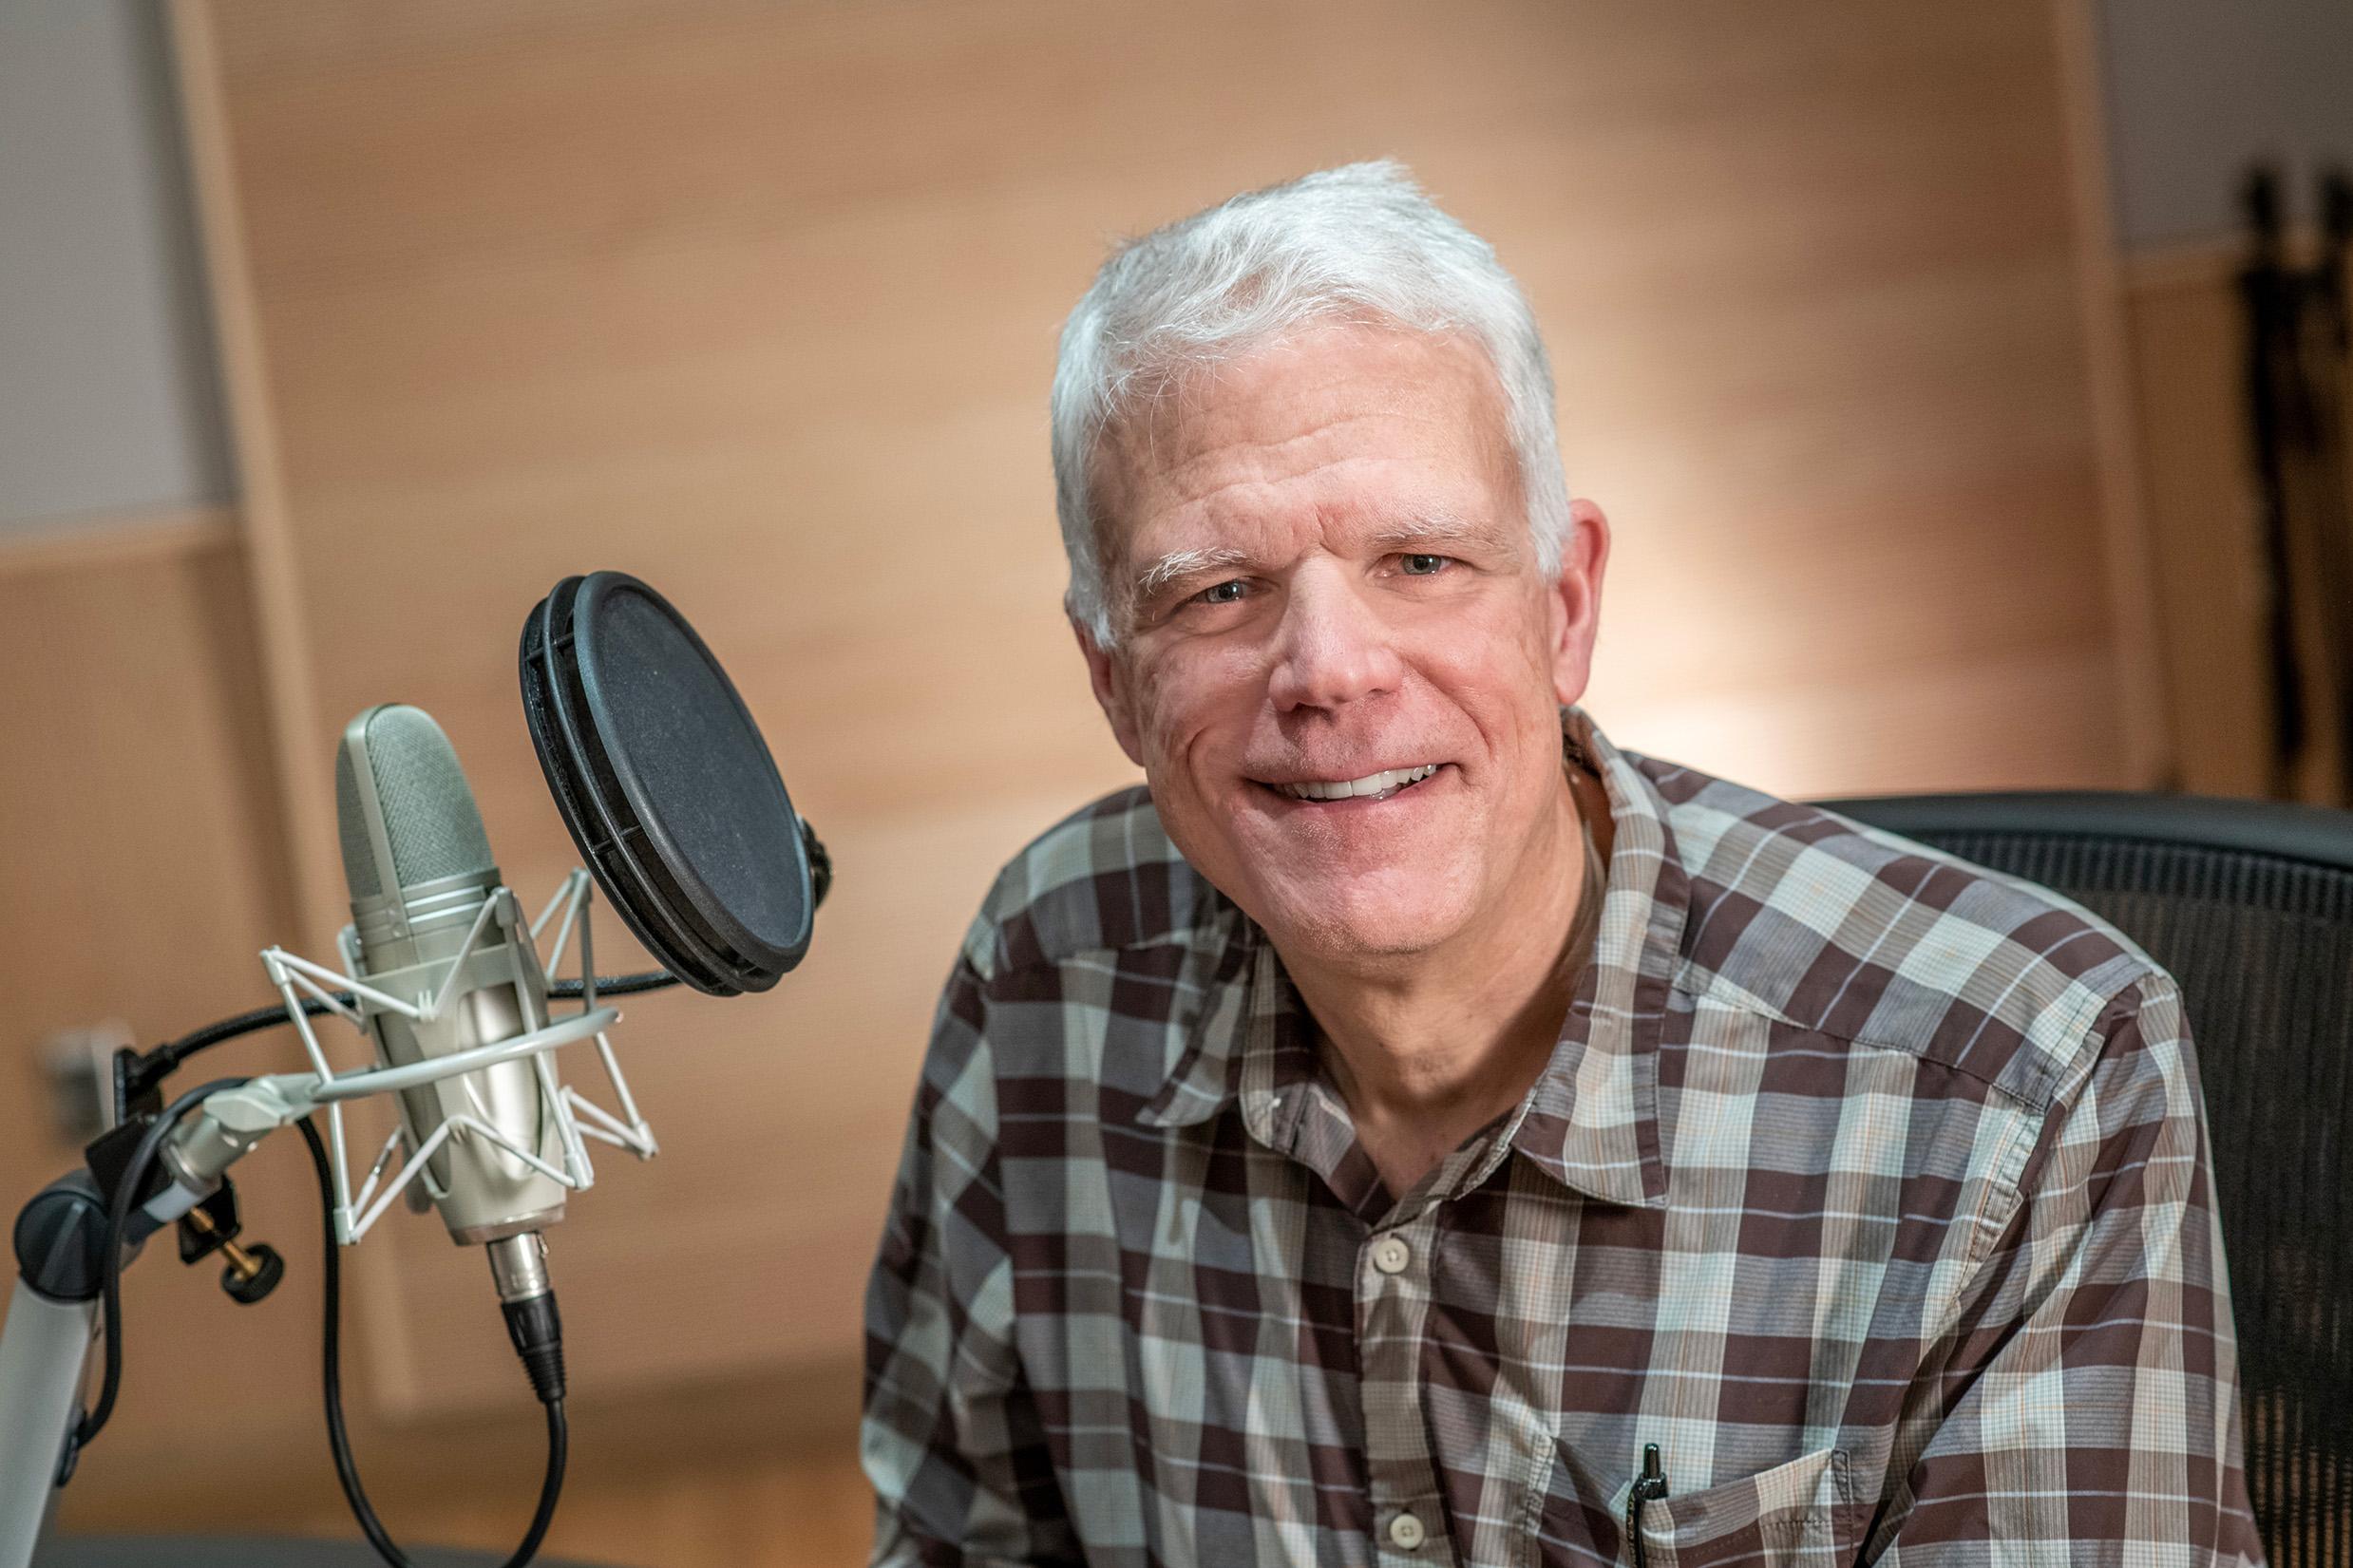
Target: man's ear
[1574, 599]
[1113, 692]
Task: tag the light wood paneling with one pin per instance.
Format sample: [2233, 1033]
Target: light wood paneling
[280, 618]
[2189, 381]
[143, 868]
[760, 304]
[2150, 737]
[143, 876]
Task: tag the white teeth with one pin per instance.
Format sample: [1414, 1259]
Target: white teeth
[1372, 783]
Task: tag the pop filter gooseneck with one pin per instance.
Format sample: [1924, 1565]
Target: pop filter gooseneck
[668, 786]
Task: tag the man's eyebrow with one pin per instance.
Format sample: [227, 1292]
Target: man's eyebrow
[1433, 528]
[1177, 565]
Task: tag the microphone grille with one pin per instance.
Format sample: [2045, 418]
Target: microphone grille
[359, 861]
[430, 815]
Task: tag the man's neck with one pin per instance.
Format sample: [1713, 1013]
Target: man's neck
[1428, 1052]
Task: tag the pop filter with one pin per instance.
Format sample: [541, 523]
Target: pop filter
[667, 785]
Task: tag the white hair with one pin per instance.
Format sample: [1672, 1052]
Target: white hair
[1357, 243]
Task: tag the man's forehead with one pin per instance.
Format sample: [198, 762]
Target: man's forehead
[1307, 380]
[1408, 419]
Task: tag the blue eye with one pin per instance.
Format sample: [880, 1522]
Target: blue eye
[1424, 566]
[1224, 593]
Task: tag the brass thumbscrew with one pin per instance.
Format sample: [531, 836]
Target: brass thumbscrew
[248, 1275]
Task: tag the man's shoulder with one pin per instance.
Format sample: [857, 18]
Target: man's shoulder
[1848, 931]
[1103, 877]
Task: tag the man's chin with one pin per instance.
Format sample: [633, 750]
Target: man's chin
[1352, 929]
[1335, 903]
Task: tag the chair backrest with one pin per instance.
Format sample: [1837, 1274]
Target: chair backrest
[2249, 905]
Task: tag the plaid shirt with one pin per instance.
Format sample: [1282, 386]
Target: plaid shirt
[1869, 1185]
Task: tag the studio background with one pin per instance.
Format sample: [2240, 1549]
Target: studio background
[1897, 341]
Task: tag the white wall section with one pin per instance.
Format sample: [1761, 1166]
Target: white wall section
[109, 397]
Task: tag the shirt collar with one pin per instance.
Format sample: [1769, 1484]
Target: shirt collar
[1592, 1118]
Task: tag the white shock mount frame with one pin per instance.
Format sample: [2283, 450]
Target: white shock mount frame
[286, 1097]
[47, 1342]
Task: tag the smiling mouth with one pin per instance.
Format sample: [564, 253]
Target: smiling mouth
[1372, 786]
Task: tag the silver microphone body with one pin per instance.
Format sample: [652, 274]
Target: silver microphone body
[419, 868]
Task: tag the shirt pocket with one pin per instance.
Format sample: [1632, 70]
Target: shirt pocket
[1798, 1515]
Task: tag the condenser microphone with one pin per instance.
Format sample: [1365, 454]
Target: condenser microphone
[422, 878]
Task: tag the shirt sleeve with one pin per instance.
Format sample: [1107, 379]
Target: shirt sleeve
[951, 1439]
[2084, 1409]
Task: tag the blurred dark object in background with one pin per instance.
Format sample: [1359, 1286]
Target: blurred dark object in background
[2296, 357]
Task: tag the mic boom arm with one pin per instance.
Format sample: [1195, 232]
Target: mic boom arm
[46, 1339]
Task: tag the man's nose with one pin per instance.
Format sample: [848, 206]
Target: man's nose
[1332, 646]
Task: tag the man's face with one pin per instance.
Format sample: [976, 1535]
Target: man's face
[1320, 567]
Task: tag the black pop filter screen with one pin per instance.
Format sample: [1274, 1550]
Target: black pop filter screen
[667, 785]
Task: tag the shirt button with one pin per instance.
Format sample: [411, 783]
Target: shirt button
[1391, 1255]
[1405, 1532]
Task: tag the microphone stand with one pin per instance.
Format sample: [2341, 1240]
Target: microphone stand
[59, 1235]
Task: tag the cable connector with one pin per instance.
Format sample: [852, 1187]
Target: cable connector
[519, 1268]
[536, 1329]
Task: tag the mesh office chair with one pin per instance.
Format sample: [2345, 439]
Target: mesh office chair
[2249, 905]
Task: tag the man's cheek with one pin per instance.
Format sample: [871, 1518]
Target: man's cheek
[1169, 718]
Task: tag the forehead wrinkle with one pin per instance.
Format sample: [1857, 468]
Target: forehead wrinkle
[1209, 459]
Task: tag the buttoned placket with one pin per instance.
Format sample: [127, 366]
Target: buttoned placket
[1392, 1309]
[1394, 1268]
[1307, 1123]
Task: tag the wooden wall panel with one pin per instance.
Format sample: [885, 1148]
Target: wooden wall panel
[760, 303]
[140, 878]
[2189, 380]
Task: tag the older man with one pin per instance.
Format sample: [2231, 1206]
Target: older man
[1409, 1129]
